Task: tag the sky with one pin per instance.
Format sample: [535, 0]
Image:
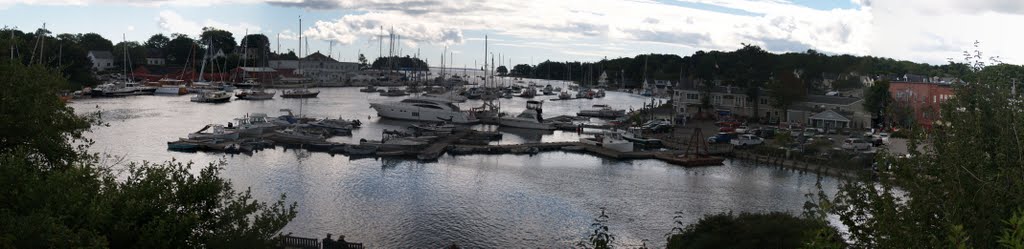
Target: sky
[531, 31]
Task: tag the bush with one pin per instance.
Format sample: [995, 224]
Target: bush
[771, 230]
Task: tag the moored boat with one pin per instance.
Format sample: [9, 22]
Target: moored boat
[212, 97]
[602, 111]
[610, 140]
[299, 93]
[529, 119]
[424, 109]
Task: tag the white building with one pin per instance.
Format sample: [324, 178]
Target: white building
[101, 60]
[319, 69]
[155, 58]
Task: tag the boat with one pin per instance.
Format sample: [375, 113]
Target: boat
[334, 126]
[247, 84]
[435, 127]
[529, 92]
[584, 94]
[253, 125]
[548, 90]
[564, 95]
[183, 145]
[602, 111]
[424, 109]
[299, 93]
[474, 93]
[451, 96]
[634, 135]
[610, 140]
[294, 135]
[218, 133]
[506, 95]
[212, 97]
[599, 94]
[529, 119]
[171, 87]
[258, 94]
[359, 150]
[396, 141]
[393, 92]
[368, 89]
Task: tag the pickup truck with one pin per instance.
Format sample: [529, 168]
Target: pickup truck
[746, 140]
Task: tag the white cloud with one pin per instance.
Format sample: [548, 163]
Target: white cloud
[172, 22]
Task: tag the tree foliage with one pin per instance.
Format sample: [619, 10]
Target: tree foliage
[399, 63]
[218, 39]
[786, 89]
[746, 230]
[181, 48]
[522, 70]
[57, 195]
[502, 70]
[157, 41]
[961, 188]
[877, 98]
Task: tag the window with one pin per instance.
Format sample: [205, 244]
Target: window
[692, 96]
[741, 102]
[716, 99]
[764, 101]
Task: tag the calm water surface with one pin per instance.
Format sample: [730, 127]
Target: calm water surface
[493, 201]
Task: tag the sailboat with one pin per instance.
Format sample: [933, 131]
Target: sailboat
[208, 95]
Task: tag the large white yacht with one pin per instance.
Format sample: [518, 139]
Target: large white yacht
[528, 119]
[424, 109]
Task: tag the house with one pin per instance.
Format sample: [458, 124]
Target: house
[319, 68]
[101, 60]
[923, 98]
[829, 112]
[155, 57]
[689, 96]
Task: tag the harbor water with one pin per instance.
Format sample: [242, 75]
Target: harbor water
[547, 200]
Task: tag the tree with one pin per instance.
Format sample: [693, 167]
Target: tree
[502, 70]
[57, 195]
[181, 48]
[93, 41]
[961, 189]
[218, 39]
[877, 99]
[746, 230]
[362, 60]
[522, 70]
[785, 90]
[157, 41]
[752, 72]
[136, 53]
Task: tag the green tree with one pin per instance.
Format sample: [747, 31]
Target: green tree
[181, 48]
[877, 99]
[157, 41]
[786, 89]
[57, 195]
[218, 39]
[960, 189]
[522, 70]
[94, 41]
[362, 60]
[746, 230]
[136, 53]
[502, 70]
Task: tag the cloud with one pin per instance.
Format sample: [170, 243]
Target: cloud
[172, 22]
[347, 29]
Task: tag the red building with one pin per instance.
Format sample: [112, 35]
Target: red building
[923, 98]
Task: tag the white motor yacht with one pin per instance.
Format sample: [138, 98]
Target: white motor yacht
[218, 132]
[424, 109]
[610, 140]
[602, 111]
[254, 124]
[528, 119]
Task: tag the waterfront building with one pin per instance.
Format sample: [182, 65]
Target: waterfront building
[829, 112]
[319, 69]
[101, 60]
[923, 97]
[155, 57]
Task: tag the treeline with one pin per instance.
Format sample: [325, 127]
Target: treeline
[69, 51]
[738, 68]
[398, 63]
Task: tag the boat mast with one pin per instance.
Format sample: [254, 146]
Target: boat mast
[202, 68]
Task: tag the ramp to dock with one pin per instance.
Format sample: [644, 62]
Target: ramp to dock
[436, 149]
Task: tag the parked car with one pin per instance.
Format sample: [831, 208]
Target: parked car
[766, 133]
[885, 137]
[726, 129]
[722, 137]
[810, 132]
[746, 140]
[742, 129]
[855, 144]
[875, 140]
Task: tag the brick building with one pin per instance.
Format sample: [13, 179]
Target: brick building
[923, 98]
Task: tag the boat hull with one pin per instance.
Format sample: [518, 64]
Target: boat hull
[518, 123]
[299, 95]
[422, 114]
[624, 146]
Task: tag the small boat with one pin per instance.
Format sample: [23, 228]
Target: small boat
[359, 150]
[599, 94]
[299, 93]
[564, 95]
[334, 126]
[396, 140]
[474, 93]
[218, 133]
[528, 119]
[506, 95]
[253, 124]
[602, 111]
[548, 90]
[320, 146]
[183, 145]
[212, 97]
[529, 92]
[295, 136]
[394, 92]
[247, 84]
[437, 127]
[368, 89]
[258, 94]
[634, 135]
[584, 94]
[610, 140]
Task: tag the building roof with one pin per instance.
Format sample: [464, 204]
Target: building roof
[831, 100]
[830, 115]
[317, 56]
[99, 54]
